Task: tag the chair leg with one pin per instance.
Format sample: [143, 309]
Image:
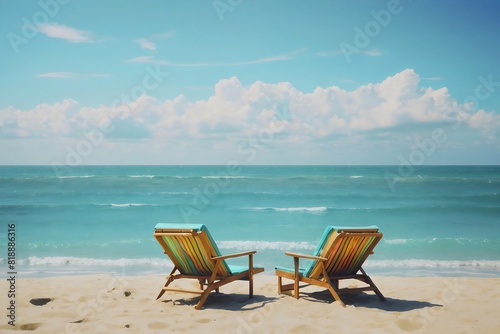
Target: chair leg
[250, 284]
[169, 280]
[296, 278]
[160, 294]
[250, 276]
[374, 287]
[296, 288]
[203, 298]
[335, 295]
[210, 287]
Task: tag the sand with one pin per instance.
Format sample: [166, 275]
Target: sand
[126, 304]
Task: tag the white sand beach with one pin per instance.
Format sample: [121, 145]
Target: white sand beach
[126, 304]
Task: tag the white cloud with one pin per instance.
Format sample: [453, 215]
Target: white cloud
[163, 35]
[329, 53]
[67, 33]
[282, 57]
[71, 75]
[372, 53]
[58, 75]
[146, 60]
[146, 44]
[385, 112]
[42, 121]
[486, 122]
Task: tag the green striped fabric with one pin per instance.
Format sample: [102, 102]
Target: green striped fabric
[345, 256]
[192, 252]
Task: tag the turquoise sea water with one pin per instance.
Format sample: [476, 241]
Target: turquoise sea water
[436, 220]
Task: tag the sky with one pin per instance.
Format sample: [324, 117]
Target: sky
[392, 82]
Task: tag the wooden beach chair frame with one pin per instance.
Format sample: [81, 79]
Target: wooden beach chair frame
[338, 256]
[195, 255]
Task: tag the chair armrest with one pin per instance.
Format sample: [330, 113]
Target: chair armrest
[228, 256]
[304, 256]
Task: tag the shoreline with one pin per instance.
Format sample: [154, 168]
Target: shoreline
[164, 265]
[126, 304]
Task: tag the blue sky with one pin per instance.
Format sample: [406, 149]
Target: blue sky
[252, 82]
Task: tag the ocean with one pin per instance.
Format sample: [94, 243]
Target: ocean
[436, 220]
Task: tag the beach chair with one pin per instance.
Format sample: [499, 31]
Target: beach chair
[195, 255]
[339, 255]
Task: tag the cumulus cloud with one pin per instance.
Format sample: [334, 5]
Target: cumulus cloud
[261, 109]
[43, 121]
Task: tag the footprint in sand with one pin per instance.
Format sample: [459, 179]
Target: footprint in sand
[79, 321]
[409, 325]
[83, 299]
[205, 320]
[157, 325]
[301, 329]
[40, 301]
[29, 327]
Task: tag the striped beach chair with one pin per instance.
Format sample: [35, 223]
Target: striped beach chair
[339, 255]
[195, 255]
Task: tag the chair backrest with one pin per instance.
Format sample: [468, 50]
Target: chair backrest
[346, 249]
[190, 248]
